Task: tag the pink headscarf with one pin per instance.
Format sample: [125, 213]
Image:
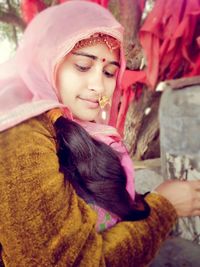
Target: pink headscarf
[27, 82]
[27, 85]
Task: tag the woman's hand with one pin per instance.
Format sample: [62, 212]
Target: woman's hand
[184, 196]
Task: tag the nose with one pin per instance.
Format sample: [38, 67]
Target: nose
[96, 82]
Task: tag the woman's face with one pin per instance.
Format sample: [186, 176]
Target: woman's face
[86, 74]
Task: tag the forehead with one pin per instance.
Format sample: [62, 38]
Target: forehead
[100, 51]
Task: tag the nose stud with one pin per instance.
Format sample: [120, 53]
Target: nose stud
[103, 101]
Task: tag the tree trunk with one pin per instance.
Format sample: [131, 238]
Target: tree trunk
[128, 13]
[13, 19]
[142, 127]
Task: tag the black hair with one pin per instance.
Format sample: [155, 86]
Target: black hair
[95, 171]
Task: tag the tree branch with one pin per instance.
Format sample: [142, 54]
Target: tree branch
[12, 19]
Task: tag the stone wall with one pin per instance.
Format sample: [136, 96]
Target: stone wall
[180, 144]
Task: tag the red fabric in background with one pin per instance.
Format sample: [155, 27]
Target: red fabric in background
[30, 8]
[129, 78]
[169, 38]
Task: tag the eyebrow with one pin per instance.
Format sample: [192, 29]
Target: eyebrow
[94, 57]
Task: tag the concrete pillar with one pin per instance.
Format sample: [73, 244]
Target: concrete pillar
[179, 117]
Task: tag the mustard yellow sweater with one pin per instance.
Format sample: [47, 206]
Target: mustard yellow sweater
[44, 223]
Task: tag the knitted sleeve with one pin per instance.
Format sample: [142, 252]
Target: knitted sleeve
[44, 223]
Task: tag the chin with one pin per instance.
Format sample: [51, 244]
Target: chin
[87, 117]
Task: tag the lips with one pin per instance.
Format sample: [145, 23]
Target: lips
[89, 99]
[90, 102]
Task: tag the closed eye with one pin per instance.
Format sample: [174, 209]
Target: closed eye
[109, 74]
[81, 68]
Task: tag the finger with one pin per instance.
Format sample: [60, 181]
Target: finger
[196, 212]
[197, 182]
[196, 204]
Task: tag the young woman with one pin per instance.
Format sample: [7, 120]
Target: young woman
[65, 174]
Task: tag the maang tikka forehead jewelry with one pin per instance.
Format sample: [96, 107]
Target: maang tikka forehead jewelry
[103, 101]
[98, 38]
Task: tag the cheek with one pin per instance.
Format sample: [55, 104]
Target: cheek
[63, 79]
[66, 84]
